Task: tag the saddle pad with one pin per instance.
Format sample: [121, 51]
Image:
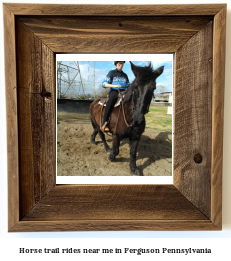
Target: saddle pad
[104, 101]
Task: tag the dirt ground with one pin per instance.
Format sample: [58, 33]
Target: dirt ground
[76, 156]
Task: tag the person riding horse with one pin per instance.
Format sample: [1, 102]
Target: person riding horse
[115, 79]
[130, 123]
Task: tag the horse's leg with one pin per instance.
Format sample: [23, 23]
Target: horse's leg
[95, 131]
[115, 147]
[102, 136]
[133, 150]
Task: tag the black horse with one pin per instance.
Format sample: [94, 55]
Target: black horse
[128, 121]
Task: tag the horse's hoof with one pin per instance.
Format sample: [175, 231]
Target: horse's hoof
[136, 173]
[108, 150]
[93, 142]
[111, 158]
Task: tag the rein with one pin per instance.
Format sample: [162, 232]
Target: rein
[125, 120]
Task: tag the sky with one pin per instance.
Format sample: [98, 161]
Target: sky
[89, 75]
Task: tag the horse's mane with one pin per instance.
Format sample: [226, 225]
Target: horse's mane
[145, 74]
[131, 91]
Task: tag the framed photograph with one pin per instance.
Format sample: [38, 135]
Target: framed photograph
[34, 34]
[81, 155]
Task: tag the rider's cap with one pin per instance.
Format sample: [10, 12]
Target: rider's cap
[117, 62]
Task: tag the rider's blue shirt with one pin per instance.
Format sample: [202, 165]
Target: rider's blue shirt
[117, 77]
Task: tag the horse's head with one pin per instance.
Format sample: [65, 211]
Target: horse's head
[146, 82]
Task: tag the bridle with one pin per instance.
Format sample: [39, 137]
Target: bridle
[123, 111]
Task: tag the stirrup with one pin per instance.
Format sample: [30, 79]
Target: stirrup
[104, 128]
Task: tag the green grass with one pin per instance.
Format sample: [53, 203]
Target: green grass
[158, 119]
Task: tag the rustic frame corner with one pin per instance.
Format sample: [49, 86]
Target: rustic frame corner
[33, 34]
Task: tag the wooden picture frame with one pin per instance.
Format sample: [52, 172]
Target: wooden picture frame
[33, 34]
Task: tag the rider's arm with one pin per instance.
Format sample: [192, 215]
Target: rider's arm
[108, 85]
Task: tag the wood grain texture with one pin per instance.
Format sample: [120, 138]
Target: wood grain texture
[12, 114]
[113, 202]
[218, 114]
[193, 113]
[111, 207]
[114, 225]
[36, 105]
[101, 34]
[194, 201]
[117, 10]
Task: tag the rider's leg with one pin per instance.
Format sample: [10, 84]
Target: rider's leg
[113, 95]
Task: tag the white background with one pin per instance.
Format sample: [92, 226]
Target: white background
[113, 179]
[218, 241]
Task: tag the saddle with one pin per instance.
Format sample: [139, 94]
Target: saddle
[103, 102]
[121, 95]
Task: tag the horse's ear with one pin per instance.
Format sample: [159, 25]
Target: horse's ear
[159, 71]
[134, 68]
